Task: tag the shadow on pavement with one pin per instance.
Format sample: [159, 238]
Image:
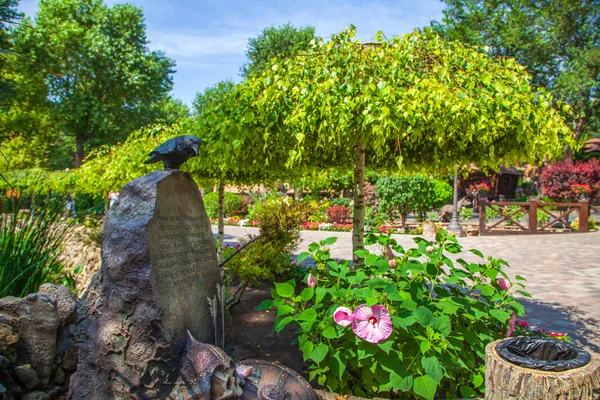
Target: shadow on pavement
[584, 332]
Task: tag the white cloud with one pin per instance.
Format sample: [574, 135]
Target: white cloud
[192, 45]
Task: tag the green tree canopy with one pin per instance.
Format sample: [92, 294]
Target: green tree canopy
[558, 41]
[412, 103]
[275, 42]
[109, 76]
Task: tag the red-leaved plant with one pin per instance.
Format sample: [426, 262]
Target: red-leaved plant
[338, 214]
[558, 178]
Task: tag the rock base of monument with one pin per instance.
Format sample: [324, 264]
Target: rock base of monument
[159, 265]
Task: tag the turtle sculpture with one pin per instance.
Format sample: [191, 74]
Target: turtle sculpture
[174, 152]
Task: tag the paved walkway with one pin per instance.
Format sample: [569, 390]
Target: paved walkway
[562, 272]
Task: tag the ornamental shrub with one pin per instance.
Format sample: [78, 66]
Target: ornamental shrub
[279, 220]
[557, 178]
[408, 194]
[338, 214]
[232, 202]
[443, 314]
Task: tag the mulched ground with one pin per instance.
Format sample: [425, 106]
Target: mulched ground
[254, 337]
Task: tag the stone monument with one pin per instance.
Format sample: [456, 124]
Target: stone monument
[159, 265]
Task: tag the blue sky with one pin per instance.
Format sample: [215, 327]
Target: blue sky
[208, 38]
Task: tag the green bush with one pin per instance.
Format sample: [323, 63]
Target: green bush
[407, 194]
[279, 222]
[341, 202]
[442, 315]
[29, 249]
[465, 213]
[232, 202]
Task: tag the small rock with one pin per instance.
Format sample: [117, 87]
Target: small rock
[66, 302]
[37, 395]
[59, 376]
[12, 389]
[8, 339]
[27, 376]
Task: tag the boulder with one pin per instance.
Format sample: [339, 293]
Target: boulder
[27, 376]
[35, 320]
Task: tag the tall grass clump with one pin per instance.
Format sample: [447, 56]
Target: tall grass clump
[29, 250]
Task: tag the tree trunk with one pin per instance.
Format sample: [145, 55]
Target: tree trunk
[79, 147]
[506, 381]
[358, 221]
[221, 223]
[403, 217]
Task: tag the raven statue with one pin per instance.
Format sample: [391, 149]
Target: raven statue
[175, 152]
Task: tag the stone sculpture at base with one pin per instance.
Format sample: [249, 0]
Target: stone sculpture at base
[159, 265]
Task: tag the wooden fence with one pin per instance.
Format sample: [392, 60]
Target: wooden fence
[555, 213]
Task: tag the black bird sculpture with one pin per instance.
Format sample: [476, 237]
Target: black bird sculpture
[174, 152]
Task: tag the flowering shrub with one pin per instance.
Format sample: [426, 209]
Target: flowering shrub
[442, 314]
[310, 226]
[482, 187]
[338, 214]
[581, 188]
[557, 179]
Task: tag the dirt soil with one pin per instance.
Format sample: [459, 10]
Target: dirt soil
[254, 336]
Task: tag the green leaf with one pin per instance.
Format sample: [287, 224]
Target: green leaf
[319, 353]
[307, 347]
[524, 293]
[265, 305]
[362, 253]
[371, 301]
[500, 315]
[519, 278]
[442, 325]
[467, 392]
[330, 333]
[403, 322]
[425, 386]
[477, 253]
[386, 346]
[284, 289]
[330, 240]
[320, 294]
[282, 323]
[307, 293]
[307, 315]
[303, 256]
[284, 310]
[432, 367]
[337, 365]
[423, 316]
[403, 383]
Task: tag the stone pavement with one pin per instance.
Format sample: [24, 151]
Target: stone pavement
[562, 272]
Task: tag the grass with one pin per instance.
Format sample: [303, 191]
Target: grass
[29, 250]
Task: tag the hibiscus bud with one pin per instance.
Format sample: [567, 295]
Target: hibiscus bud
[311, 281]
[429, 249]
[393, 263]
[503, 283]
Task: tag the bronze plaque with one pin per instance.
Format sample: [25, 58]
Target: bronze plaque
[185, 269]
[270, 381]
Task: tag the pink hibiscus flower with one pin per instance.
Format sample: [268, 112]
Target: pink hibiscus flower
[372, 324]
[503, 283]
[343, 316]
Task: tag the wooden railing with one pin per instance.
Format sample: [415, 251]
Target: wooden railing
[556, 213]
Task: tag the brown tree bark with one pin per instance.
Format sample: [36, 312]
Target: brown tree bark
[79, 150]
[506, 381]
[358, 220]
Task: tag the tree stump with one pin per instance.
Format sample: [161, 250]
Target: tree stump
[506, 381]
